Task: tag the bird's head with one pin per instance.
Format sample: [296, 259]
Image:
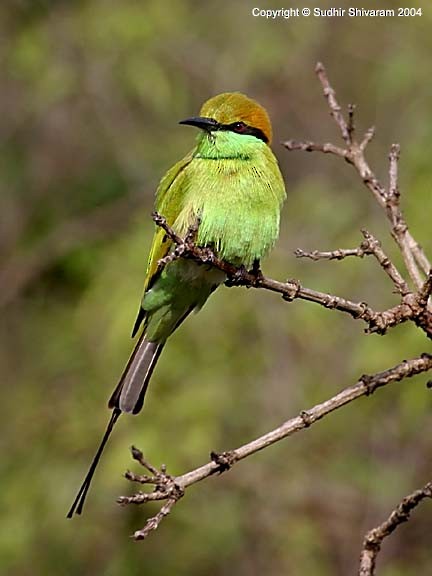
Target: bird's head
[235, 112]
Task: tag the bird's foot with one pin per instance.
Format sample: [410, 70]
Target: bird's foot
[244, 277]
[256, 271]
[238, 278]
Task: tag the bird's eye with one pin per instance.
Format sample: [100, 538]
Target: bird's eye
[239, 127]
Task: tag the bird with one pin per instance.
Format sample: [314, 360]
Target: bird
[232, 186]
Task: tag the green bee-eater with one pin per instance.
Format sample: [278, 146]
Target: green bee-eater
[232, 184]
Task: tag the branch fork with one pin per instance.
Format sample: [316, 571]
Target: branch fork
[388, 198]
[164, 485]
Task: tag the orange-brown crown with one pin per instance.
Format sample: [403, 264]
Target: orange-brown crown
[232, 107]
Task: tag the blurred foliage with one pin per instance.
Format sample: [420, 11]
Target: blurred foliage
[91, 95]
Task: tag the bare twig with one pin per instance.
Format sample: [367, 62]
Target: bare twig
[415, 259]
[425, 291]
[308, 146]
[139, 457]
[166, 488]
[370, 245]
[338, 254]
[387, 265]
[172, 488]
[153, 522]
[374, 538]
[399, 226]
[351, 126]
[335, 109]
[369, 134]
[393, 187]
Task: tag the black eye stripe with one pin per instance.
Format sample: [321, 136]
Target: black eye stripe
[242, 128]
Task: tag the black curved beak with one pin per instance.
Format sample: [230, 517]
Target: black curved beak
[207, 124]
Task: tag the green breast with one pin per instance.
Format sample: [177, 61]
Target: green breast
[235, 186]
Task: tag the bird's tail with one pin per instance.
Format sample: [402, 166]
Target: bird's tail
[78, 504]
[130, 391]
[127, 397]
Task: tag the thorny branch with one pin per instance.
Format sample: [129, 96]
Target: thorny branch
[374, 538]
[413, 306]
[172, 488]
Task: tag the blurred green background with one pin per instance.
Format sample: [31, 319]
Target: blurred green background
[91, 93]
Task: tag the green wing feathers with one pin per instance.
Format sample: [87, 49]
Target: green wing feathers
[169, 202]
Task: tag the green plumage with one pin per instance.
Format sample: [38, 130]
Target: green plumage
[232, 185]
[231, 182]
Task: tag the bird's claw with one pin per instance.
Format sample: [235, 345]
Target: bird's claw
[256, 271]
[238, 278]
